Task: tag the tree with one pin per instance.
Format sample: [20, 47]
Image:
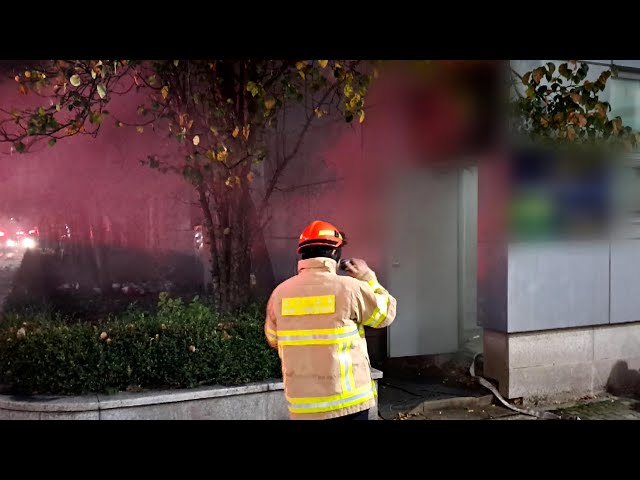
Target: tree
[560, 106]
[219, 112]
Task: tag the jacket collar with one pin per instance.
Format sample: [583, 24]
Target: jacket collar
[319, 263]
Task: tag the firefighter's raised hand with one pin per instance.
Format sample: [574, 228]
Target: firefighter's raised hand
[357, 268]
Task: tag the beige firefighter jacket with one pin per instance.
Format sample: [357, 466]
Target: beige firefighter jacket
[316, 321]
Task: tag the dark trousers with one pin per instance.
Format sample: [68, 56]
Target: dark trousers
[363, 415]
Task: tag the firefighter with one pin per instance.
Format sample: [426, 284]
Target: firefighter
[316, 322]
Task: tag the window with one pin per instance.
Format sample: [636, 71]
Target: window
[625, 100]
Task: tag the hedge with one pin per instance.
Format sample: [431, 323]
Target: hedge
[179, 345]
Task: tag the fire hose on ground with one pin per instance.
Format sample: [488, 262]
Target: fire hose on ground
[524, 411]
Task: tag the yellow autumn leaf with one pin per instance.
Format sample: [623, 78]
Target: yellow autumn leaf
[617, 125]
[214, 130]
[571, 134]
[190, 124]
[319, 113]
[228, 182]
[538, 73]
[362, 116]
[118, 124]
[348, 90]
[165, 92]
[75, 80]
[245, 131]
[300, 65]
[323, 63]
[235, 133]
[222, 156]
[302, 74]
[102, 90]
[27, 74]
[250, 177]
[196, 140]
[226, 231]
[269, 103]
[139, 129]
[210, 155]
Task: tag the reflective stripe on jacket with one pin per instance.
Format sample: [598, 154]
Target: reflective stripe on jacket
[316, 321]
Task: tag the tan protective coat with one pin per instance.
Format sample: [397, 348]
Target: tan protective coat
[315, 320]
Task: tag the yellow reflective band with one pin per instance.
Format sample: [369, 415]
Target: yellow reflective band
[375, 389]
[330, 398]
[317, 331]
[327, 233]
[380, 313]
[350, 377]
[343, 370]
[361, 331]
[321, 336]
[375, 285]
[346, 367]
[271, 333]
[334, 402]
[298, 306]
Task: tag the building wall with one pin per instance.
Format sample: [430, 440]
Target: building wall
[564, 363]
[560, 319]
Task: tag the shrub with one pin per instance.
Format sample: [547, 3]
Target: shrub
[179, 345]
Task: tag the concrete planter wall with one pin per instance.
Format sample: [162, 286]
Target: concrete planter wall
[257, 401]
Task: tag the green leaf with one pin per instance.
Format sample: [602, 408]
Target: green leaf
[551, 67]
[20, 147]
[75, 80]
[51, 142]
[95, 118]
[526, 78]
[253, 88]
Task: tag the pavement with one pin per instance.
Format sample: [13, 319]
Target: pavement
[430, 399]
[610, 408]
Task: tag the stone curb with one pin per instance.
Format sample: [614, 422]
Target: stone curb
[453, 403]
[93, 403]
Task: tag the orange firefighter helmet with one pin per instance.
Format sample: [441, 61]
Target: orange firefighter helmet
[319, 233]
